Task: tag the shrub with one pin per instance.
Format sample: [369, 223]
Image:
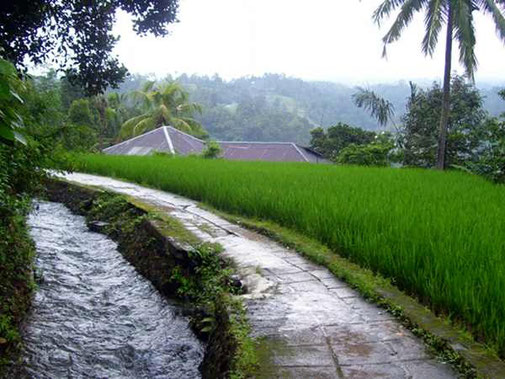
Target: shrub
[212, 150]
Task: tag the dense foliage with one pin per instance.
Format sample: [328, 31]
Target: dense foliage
[77, 35]
[491, 160]
[21, 162]
[10, 102]
[466, 121]
[373, 154]
[436, 235]
[329, 143]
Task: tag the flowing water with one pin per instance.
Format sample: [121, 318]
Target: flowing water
[93, 315]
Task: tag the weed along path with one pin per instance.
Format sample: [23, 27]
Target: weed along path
[312, 325]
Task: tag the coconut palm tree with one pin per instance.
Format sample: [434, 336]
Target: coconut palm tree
[457, 15]
[166, 104]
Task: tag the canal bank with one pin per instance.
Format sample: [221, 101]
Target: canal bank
[179, 265]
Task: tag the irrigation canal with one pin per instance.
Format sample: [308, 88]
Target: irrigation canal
[317, 327]
[93, 316]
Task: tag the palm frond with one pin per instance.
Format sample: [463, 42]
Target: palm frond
[128, 128]
[148, 86]
[379, 108]
[433, 22]
[465, 35]
[195, 128]
[143, 126]
[385, 9]
[141, 98]
[403, 19]
[490, 6]
[181, 124]
[164, 113]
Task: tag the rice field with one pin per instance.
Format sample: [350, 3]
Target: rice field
[439, 236]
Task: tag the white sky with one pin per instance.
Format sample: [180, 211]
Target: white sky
[316, 40]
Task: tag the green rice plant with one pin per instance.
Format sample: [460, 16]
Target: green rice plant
[438, 235]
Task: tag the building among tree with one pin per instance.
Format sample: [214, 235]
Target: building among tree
[170, 140]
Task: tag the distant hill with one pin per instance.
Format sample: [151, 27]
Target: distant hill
[279, 108]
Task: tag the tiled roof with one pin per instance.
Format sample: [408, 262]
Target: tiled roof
[145, 144]
[184, 144]
[170, 140]
[267, 151]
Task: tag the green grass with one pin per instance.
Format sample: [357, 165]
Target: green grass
[437, 235]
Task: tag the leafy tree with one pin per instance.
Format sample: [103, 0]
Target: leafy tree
[166, 104]
[77, 35]
[11, 121]
[80, 132]
[465, 124]
[42, 110]
[337, 137]
[379, 108]
[491, 160]
[69, 92]
[458, 17]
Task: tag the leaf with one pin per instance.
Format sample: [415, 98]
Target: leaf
[4, 90]
[6, 68]
[13, 93]
[19, 137]
[6, 133]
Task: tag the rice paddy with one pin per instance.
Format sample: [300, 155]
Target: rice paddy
[438, 235]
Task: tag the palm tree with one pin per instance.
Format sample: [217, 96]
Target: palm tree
[458, 17]
[166, 104]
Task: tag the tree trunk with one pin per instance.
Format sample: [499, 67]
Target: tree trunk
[446, 101]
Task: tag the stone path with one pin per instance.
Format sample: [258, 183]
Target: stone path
[314, 325]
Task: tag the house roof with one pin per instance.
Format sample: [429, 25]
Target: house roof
[164, 139]
[171, 140]
[267, 151]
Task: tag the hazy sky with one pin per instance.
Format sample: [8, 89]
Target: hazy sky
[317, 40]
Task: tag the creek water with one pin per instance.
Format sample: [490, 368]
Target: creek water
[93, 315]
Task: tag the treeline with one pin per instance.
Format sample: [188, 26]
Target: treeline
[279, 108]
[268, 108]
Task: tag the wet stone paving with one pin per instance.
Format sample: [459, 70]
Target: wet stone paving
[313, 325]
